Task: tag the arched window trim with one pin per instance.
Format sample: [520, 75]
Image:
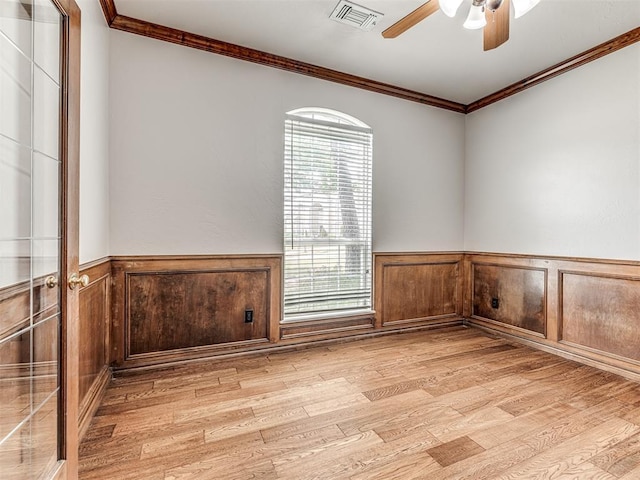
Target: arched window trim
[329, 115]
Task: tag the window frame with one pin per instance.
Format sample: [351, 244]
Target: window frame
[335, 121]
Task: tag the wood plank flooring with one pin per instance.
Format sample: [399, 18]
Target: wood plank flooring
[447, 404]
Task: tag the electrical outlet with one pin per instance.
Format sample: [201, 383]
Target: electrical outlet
[248, 315]
[495, 303]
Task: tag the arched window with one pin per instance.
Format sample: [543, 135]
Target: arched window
[327, 213]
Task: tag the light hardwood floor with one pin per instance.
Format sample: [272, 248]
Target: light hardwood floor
[445, 404]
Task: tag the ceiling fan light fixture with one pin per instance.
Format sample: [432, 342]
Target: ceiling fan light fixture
[476, 18]
[521, 7]
[450, 7]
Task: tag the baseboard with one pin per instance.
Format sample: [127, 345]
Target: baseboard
[92, 400]
[297, 344]
[631, 372]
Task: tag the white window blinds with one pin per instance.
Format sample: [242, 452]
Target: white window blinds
[327, 215]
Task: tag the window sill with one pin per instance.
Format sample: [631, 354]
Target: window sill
[324, 316]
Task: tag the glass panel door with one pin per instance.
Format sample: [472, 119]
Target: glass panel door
[30, 237]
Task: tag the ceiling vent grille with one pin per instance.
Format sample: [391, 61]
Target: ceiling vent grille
[355, 15]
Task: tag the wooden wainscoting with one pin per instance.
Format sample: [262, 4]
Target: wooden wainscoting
[584, 309]
[145, 311]
[414, 289]
[178, 308]
[172, 309]
[95, 316]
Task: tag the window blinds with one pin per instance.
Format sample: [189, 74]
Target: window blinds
[327, 216]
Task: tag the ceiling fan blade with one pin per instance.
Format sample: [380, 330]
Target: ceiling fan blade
[496, 32]
[405, 23]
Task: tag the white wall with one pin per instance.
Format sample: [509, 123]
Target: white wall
[94, 127]
[555, 170]
[197, 155]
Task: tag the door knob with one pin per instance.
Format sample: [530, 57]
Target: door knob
[51, 281]
[78, 280]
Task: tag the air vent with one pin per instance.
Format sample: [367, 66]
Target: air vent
[355, 15]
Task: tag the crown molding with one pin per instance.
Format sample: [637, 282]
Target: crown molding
[109, 10]
[207, 44]
[200, 42]
[565, 66]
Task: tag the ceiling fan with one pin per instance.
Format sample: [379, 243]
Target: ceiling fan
[492, 15]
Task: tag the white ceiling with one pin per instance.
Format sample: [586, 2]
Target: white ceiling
[437, 57]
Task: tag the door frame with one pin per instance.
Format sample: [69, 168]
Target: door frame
[70, 199]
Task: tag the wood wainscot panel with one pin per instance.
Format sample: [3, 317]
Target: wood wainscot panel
[181, 308]
[417, 288]
[95, 314]
[602, 313]
[174, 310]
[509, 295]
